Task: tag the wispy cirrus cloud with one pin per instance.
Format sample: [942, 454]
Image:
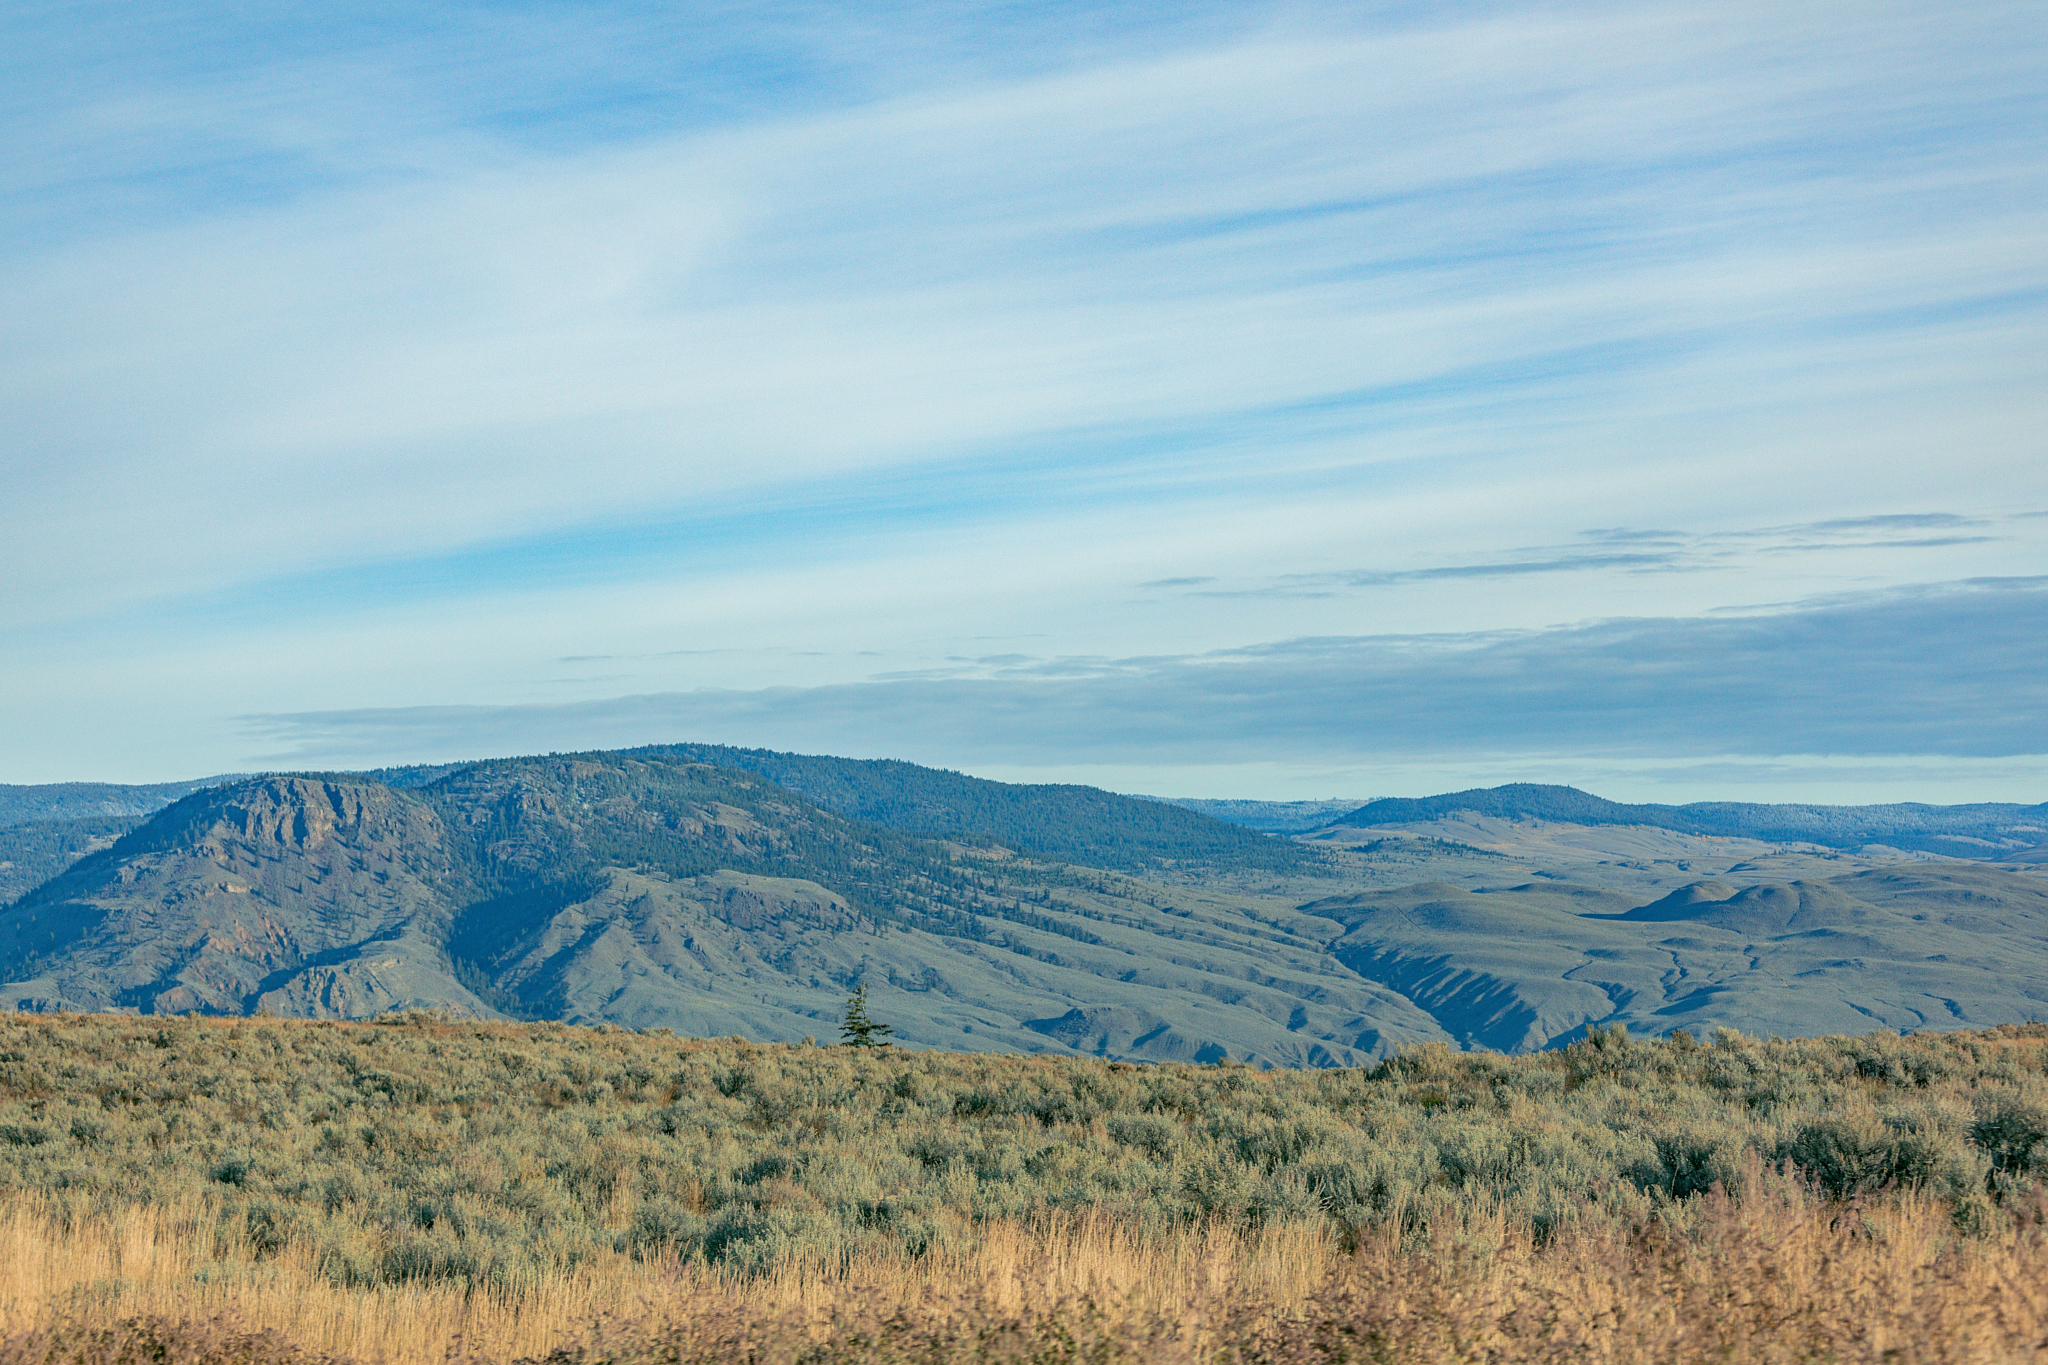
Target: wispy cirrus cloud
[359, 358]
[1625, 550]
[1456, 239]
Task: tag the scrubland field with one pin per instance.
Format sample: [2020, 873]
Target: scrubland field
[420, 1191]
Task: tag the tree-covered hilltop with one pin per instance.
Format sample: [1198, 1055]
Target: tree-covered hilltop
[1270, 817]
[1070, 823]
[1986, 829]
[1075, 824]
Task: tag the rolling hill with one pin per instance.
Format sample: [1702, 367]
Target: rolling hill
[1987, 830]
[92, 800]
[655, 888]
[1924, 945]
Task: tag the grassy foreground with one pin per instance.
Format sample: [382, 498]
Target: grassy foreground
[1778, 1277]
[255, 1190]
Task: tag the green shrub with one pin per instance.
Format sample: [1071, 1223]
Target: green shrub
[489, 1153]
[2014, 1134]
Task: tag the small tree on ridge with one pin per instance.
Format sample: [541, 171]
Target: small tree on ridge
[859, 1030]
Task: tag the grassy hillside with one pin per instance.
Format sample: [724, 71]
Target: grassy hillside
[1910, 946]
[490, 1154]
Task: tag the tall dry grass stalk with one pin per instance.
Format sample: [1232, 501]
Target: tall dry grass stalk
[172, 1265]
[1780, 1276]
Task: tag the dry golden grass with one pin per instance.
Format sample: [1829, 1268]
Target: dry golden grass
[1781, 1276]
[171, 1265]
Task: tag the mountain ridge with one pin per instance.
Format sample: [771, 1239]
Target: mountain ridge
[651, 889]
[1978, 830]
[1068, 821]
[21, 804]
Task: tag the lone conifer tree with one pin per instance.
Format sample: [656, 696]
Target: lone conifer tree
[859, 1030]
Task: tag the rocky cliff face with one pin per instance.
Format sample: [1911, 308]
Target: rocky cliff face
[292, 895]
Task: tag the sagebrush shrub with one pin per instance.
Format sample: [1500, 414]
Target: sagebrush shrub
[420, 1149]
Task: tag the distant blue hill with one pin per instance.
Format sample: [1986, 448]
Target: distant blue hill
[94, 800]
[1983, 830]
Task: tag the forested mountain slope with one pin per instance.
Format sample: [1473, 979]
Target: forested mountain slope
[46, 828]
[286, 895]
[37, 850]
[1070, 823]
[1272, 817]
[1073, 823]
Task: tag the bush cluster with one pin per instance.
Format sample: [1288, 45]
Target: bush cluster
[490, 1154]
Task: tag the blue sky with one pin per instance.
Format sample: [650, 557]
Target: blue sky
[1248, 400]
